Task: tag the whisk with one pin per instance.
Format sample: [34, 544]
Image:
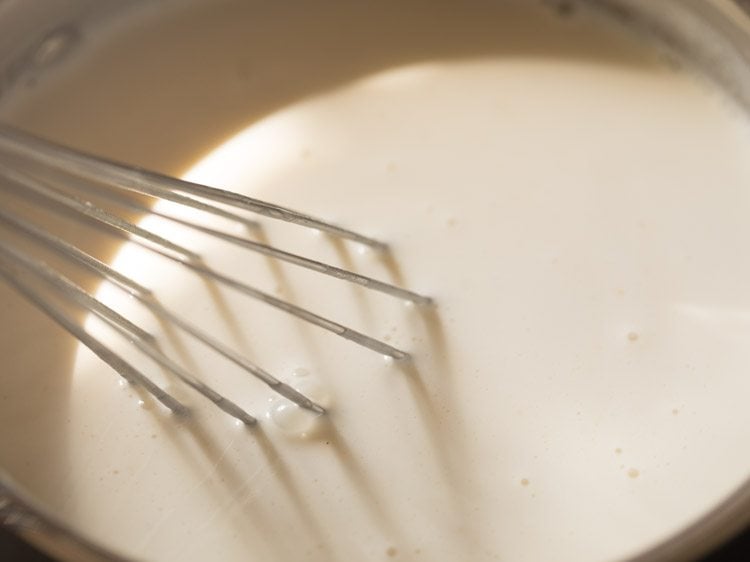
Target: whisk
[59, 177]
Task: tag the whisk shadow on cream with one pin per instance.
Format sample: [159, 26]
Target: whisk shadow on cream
[225, 479]
[363, 297]
[371, 498]
[302, 507]
[257, 517]
[448, 446]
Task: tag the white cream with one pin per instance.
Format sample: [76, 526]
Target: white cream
[578, 393]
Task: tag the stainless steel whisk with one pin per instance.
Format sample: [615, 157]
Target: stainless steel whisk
[35, 168]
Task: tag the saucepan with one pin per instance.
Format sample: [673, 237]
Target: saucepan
[39, 37]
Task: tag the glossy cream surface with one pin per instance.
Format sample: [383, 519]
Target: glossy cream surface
[574, 202]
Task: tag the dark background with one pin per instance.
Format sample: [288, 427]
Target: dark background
[14, 550]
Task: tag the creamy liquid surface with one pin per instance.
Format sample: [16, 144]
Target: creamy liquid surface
[579, 391]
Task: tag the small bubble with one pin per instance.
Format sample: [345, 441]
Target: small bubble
[292, 419]
[409, 304]
[633, 336]
[524, 481]
[311, 387]
[388, 360]
[300, 372]
[633, 473]
[148, 404]
[122, 383]
[363, 250]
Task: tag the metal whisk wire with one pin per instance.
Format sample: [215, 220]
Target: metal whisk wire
[29, 167]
